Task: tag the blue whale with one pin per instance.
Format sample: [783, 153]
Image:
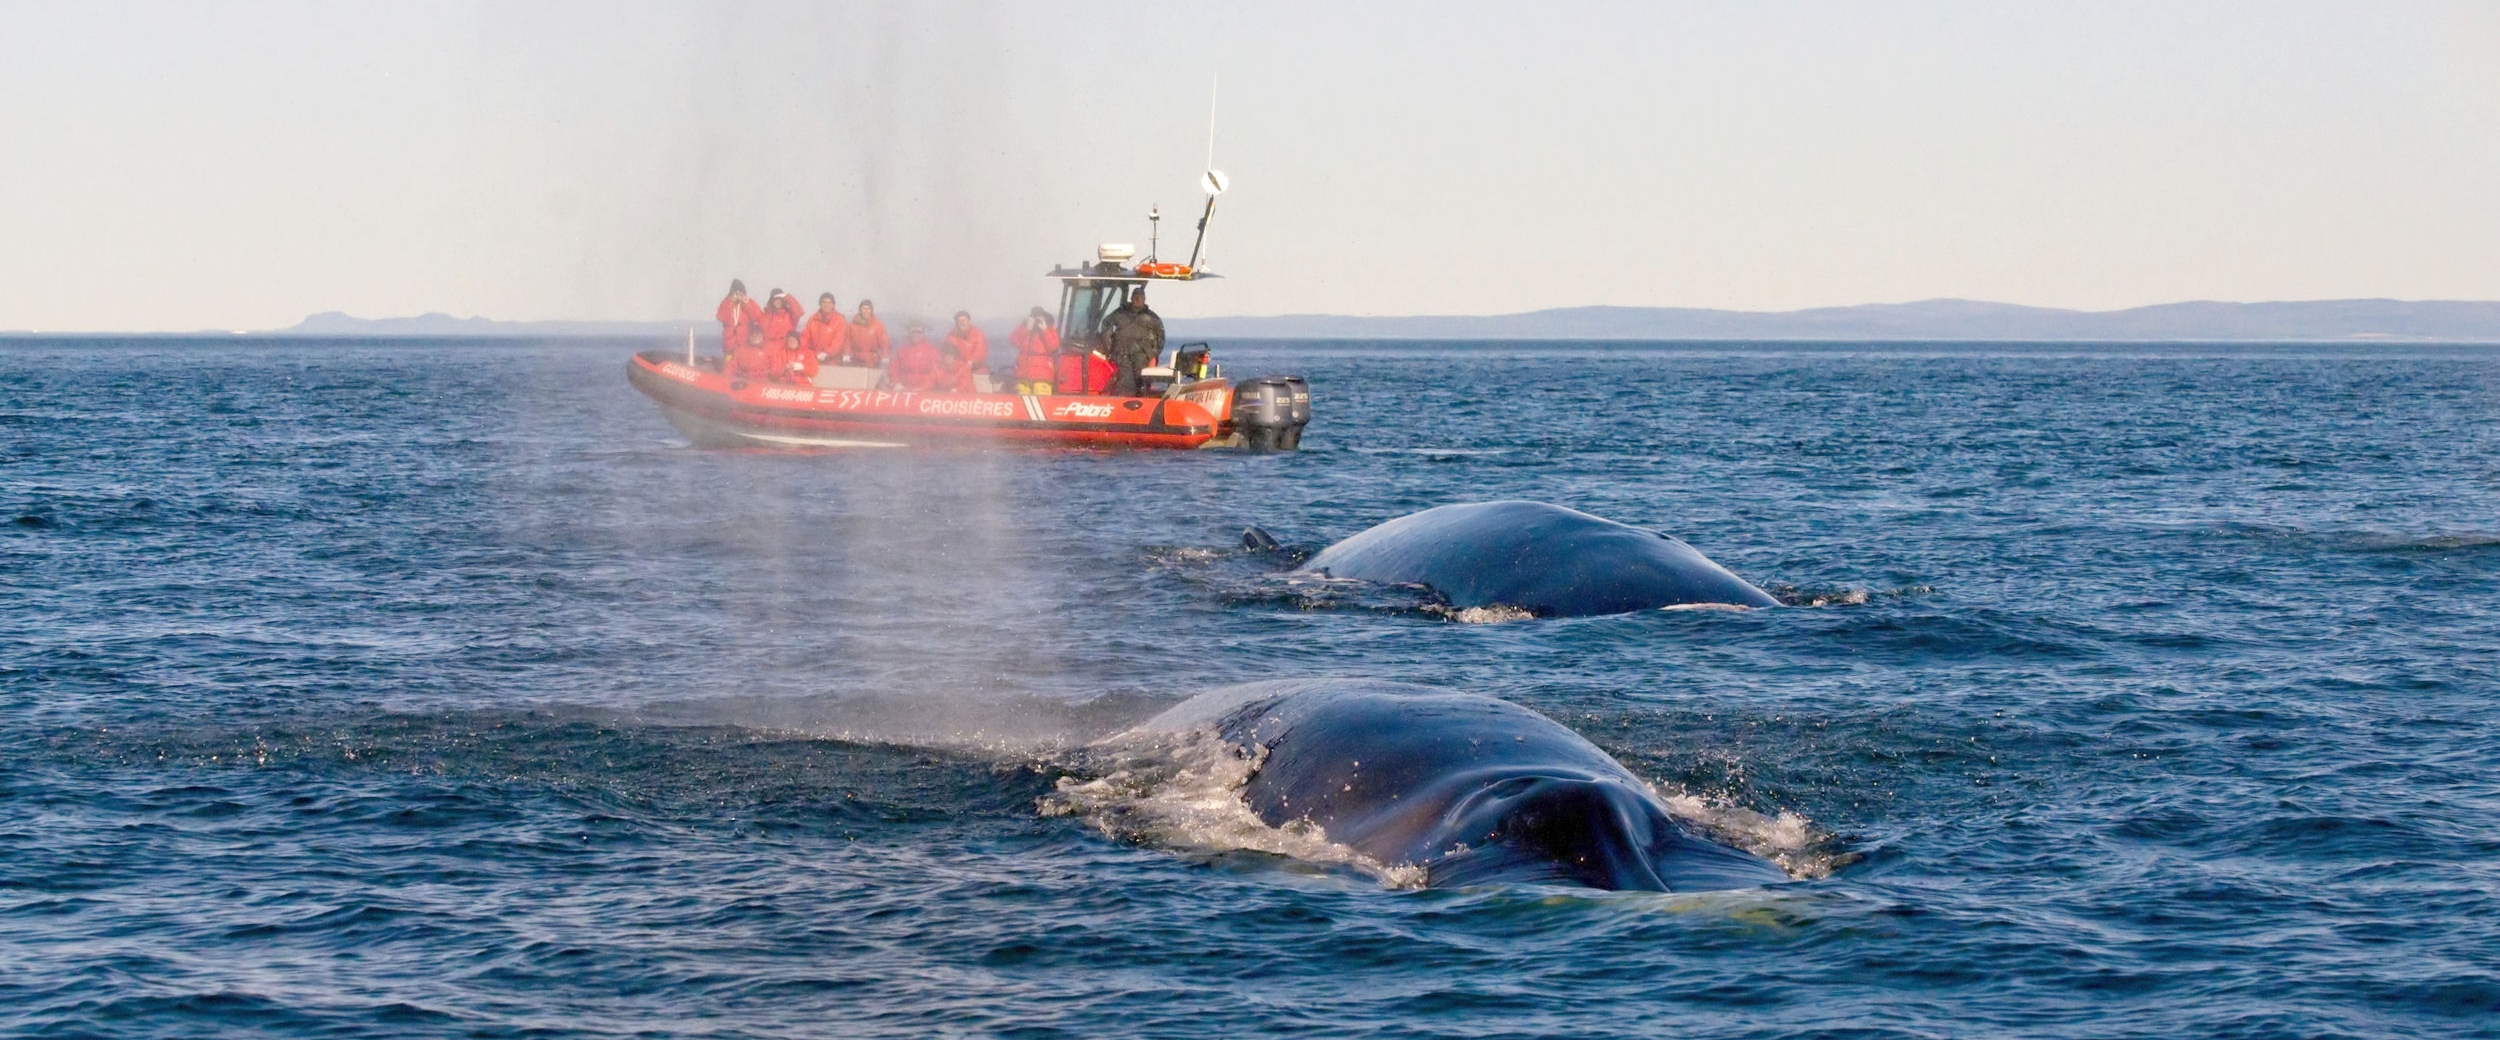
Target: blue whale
[1472, 789]
[1545, 559]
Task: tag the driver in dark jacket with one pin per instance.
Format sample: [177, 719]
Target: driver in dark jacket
[1135, 336]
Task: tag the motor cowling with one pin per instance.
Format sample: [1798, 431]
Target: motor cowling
[1301, 389]
[1270, 411]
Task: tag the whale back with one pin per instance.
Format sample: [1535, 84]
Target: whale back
[1471, 788]
[1546, 559]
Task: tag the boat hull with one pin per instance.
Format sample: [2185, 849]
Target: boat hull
[715, 410]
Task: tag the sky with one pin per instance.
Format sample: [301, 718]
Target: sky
[239, 165]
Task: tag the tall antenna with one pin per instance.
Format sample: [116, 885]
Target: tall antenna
[1213, 182]
[1212, 83]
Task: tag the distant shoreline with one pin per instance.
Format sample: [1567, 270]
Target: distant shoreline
[677, 339]
[1928, 321]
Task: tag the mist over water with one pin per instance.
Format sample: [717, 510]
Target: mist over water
[437, 689]
[877, 153]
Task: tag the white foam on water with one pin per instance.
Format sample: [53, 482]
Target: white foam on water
[1842, 596]
[1492, 615]
[1182, 791]
[1186, 556]
[1787, 839]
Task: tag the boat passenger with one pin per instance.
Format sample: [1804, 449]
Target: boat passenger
[917, 364]
[866, 344]
[736, 313]
[826, 331]
[796, 363]
[1135, 336]
[752, 361]
[969, 351]
[782, 317]
[1036, 344]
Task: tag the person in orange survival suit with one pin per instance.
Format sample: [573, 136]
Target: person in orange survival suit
[794, 363]
[917, 365]
[1036, 345]
[754, 360]
[737, 313]
[865, 345]
[826, 331]
[782, 317]
[968, 351]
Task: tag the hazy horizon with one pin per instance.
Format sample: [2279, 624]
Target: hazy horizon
[1009, 318]
[1002, 320]
[245, 166]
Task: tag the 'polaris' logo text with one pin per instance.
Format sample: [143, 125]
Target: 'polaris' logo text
[1081, 410]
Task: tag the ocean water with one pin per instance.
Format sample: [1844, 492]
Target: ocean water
[437, 689]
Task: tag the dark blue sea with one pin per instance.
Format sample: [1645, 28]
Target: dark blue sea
[439, 689]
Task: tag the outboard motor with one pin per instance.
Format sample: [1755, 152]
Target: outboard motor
[1261, 410]
[1301, 412]
[1269, 412]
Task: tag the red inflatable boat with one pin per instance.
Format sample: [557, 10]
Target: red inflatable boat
[1186, 401]
[714, 410]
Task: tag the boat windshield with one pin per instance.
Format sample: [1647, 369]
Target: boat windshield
[1087, 304]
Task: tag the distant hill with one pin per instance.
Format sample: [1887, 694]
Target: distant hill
[334, 323]
[2315, 320]
[2449, 321]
